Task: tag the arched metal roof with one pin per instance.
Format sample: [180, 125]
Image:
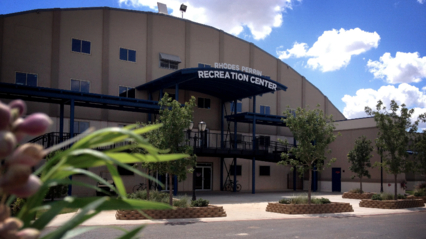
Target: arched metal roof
[224, 84]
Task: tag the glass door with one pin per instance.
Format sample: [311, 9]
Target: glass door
[203, 177]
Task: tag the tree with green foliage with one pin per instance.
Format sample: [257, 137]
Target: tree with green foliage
[396, 131]
[419, 149]
[171, 138]
[359, 157]
[314, 132]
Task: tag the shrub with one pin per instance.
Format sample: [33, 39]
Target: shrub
[420, 186]
[154, 196]
[285, 201]
[401, 196]
[320, 200]
[200, 203]
[376, 197]
[356, 190]
[182, 202]
[419, 192]
[386, 196]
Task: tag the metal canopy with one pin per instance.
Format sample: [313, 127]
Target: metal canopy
[262, 119]
[168, 57]
[58, 96]
[216, 85]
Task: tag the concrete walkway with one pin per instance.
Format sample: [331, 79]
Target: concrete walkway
[241, 207]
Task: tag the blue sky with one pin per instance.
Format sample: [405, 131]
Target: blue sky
[355, 51]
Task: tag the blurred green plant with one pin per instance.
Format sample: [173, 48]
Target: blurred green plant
[75, 160]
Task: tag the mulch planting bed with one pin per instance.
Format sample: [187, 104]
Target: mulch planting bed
[357, 195]
[392, 204]
[191, 212]
[333, 207]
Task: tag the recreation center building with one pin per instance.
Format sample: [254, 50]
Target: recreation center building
[106, 67]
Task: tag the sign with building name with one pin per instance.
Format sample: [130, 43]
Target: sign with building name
[237, 68]
[217, 74]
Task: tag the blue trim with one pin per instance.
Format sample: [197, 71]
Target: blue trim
[221, 173]
[58, 96]
[253, 162]
[225, 89]
[61, 122]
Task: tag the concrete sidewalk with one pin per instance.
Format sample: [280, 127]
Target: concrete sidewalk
[240, 207]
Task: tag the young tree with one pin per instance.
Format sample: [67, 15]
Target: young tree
[313, 132]
[359, 157]
[171, 138]
[395, 133]
[419, 149]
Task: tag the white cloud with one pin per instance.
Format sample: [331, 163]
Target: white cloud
[404, 68]
[231, 16]
[421, 1]
[410, 95]
[333, 49]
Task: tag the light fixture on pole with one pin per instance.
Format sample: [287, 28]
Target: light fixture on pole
[182, 8]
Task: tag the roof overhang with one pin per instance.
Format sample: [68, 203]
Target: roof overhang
[263, 119]
[224, 84]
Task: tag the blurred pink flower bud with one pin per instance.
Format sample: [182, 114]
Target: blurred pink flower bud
[11, 224]
[27, 154]
[4, 116]
[16, 175]
[7, 143]
[20, 105]
[28, 233]
[27, 189]
[35, 124]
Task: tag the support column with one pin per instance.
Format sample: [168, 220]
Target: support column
[253, 162]
[61, 122]
[175, 184]
[221, 173]
[149, 114]
[161, 94]
[235, 147]
[221, 125]
[71, 136]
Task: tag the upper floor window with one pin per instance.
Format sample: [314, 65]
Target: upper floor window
[80, 86]
[265, 110]
[239, 107]
[81, 126]
[169, 61]
[204, 103]
[127, 55]
[127, 92]
[25, 79]
[80, 46]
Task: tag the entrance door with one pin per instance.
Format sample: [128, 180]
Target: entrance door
[336, 176]
[203, 176]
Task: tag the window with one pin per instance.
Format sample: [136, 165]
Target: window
[127, 55]
[264, 171]
[169, 61]
[231, 170]
[80, 86]
[127, 92]
[80, 46]
[26, 79]
[81, 126]
[265, 110]
[239, 107]
[204, 103]
[123, 171]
